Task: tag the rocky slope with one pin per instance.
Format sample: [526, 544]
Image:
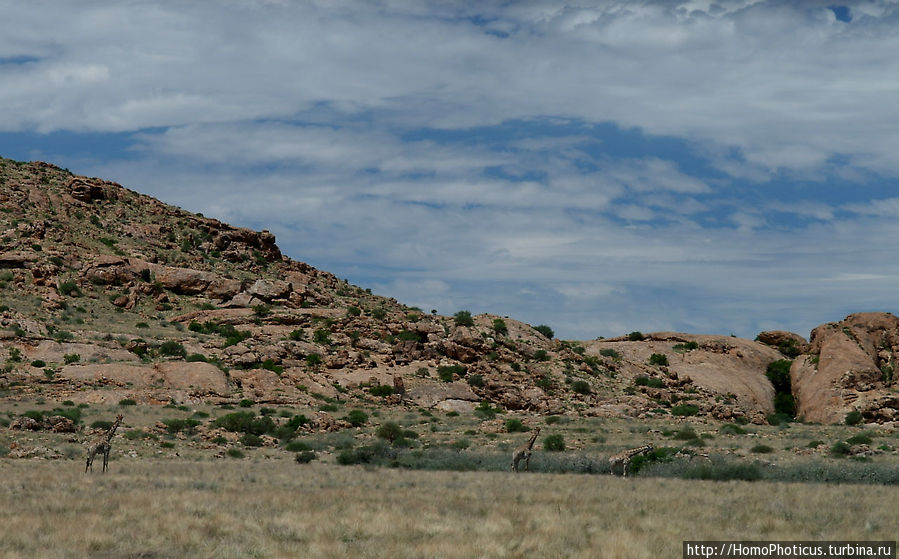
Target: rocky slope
[106, 294]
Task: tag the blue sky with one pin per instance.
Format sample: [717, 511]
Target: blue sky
[710, 167]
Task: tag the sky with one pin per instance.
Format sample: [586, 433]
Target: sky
[600, 167]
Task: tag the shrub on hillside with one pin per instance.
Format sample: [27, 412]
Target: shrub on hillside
[554, 443]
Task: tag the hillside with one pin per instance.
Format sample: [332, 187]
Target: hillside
[109, 295]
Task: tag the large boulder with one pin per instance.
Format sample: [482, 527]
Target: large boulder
[845, 370]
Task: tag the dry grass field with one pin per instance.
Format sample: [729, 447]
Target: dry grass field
[278, 508]
[180, 493]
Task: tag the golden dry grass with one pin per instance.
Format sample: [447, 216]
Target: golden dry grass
[277, 508]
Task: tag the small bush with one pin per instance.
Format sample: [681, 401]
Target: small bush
[860, 438]
[234, 453]
[101, 424]
[357, 418]
[840, 448]
[545, 330]
[658, 359]
[447, 372]
[463, 318]
[514, 425]
[381, 390]
[245, 422]
[297, 446]
[251, 440]
[609, 352]
[651, 382]
[389, 431]
[70, 358]
[554, 443]
[499, 326]
[854, 417]
[245, 403]
[685, 409]
[541, 355]
[475, 380]
[731, 429]
[172, 349]
[814, 444]
[313, 359]
[761, 449]
[307, 456]
[636, 336]
[177, 425]
[38, 363]
[581, 387]
[127, 402]
[297, 335]
[68, 288]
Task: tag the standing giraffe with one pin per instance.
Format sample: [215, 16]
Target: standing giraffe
[624, 458]
[524, 451]
[102, 445]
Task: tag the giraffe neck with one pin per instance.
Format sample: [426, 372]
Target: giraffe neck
[636, 451]
[112, 430]
[531, 442]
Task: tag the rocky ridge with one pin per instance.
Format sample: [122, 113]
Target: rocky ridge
[107, 294]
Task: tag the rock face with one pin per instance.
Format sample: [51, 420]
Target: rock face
[849, 367]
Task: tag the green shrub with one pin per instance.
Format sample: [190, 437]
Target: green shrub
[15, 355]
[313, 359]
[685, 347]
[389, 431]
[297, 335]
[475, 380]
[251, 440]
[854, 417]
[172, 348]
[658, 359]
[196, 358]
[778, 372]
[499, 326]
[447, 373]
[685, 409]
[541, 355]
[246, 403]
[127, 402]
[686, 433]
[307, 456]
[731, 429]
[357, 418]
[177, 425]
[636, 336]
[38, 363]
[554, 443]
[761, 449]
[377, 452]
[651, 382]
[814, 444]
[514, 425]
[322, 336]
[245, 422]
[860, 438]
[353, 311]
[463, 318]
[485, 410]
[68, 288]
[297, 446]
[609, 352]
[545, 330]
[234, 453]
[840, 448]
[581, 387]
[381, 390]
[70, 358]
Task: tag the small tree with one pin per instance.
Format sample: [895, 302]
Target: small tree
[499, 326]
[545, 330]
[463, 318]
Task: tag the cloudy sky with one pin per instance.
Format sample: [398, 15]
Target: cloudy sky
[600, 167]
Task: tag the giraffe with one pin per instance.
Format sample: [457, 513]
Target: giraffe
[624, 458]
[102, 445]
[524, 451]
[399, 387]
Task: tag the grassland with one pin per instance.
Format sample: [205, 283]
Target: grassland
[277, 508]
[442, 492]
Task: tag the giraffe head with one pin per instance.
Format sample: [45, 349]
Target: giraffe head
[119, 418]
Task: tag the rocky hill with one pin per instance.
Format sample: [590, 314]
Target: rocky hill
[107, 294]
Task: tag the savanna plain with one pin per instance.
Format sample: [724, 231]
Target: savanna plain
[439, 486]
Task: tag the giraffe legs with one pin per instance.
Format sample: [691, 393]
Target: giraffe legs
[105, 459]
